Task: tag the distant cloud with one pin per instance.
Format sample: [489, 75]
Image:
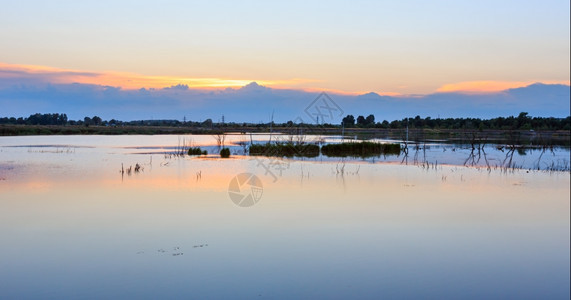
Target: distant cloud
[257, 103]
[182, 87]
[130, 81]
[488, 86]
[25, 90]
[13, 74]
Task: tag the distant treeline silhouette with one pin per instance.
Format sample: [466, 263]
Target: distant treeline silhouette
[522, 122]
[61, 119]
[38, 119]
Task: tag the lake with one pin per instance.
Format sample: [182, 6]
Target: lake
[80, 220]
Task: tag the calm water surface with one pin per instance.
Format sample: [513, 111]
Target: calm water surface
[73, 226]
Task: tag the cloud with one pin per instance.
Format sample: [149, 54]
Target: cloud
[257, 103]
[33, 74]
[25, 90]
[488, 86]
[181, 87]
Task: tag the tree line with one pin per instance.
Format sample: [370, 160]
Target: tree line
[522, 122]
[38, 119]
[62, 119]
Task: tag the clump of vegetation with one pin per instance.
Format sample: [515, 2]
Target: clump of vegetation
[225, 153]
[362, 149]
[285, 149]
[196, 151]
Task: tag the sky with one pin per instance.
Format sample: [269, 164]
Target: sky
[348, 47]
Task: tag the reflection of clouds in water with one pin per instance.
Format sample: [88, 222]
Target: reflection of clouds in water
[8, 169]
[481, 154]
[162, 218]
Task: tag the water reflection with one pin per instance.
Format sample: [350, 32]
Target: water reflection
[74, 226]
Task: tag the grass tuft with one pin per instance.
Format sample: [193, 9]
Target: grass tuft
[225, 153]
[196, 151]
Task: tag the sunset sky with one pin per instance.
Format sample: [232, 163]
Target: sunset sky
[387, 47]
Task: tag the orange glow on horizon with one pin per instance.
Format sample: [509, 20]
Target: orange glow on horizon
[347, 93]
[489, 86]
[133, 81]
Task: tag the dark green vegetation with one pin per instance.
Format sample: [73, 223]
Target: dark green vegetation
[522, 122]
[38, 119]
[354, 149]
[196, 151]
[349, 121]
[520, 130]
[13, 130]
[360, 149]
[284, 149]
[225, 153]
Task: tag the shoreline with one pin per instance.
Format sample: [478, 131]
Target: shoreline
[474, 136]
